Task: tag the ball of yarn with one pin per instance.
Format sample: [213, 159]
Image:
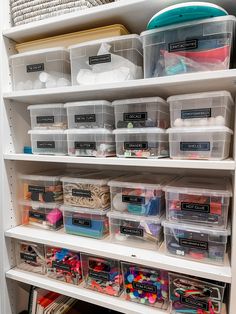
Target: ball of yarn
[220, 120]
[118, 204]
[178, 123]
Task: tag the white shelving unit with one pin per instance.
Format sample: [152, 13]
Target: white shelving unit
[15, 123]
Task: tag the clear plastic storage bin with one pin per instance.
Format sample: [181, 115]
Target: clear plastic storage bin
[30, 256]
[203, 201]
[102, 274]
[211, 143]
[107, 60]
[86, 222]
[90, 114]
[139, 194]
[201, 109]
[195, 242]
[91, 142]
[44, 187]
[87, 191]
[48, 142]
[44, 68]
[142, 143]
[48, 116]
[145, 285]
[45, 216]
[135, 231]
[63, 265]
[208, 300]
[201, 45]
[141, 113]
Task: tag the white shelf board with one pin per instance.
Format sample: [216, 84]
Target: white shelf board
[156, 259]
[162, 86]
[227, 164]
[128, 12]
[78, 292]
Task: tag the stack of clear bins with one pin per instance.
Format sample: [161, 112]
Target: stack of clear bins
[197, 218]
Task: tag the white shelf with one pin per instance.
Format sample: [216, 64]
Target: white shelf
[131, 13]
[156, 259]
[227, 164]
[78, 292]
[162, 86]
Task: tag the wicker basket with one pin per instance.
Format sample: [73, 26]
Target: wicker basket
[26, 11]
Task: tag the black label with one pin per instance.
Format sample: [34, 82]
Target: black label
[133, 199]
[61, 266]
[86, 223]
[34, 188]
[28, 257]
[183, 45]
[36, 215]
[144, 287]
[194, 302]
[195, 146]
[85, 118]
[135, 116]
[35, 67]
[45, 119]
[196, 113]
[131, 231]
[99, 59]
[45, 144]
[135, 145]
[99, 275]
[81, 193]
[85, 145]
[194, 244]
[202, 208]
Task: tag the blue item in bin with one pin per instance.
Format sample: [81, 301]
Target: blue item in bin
[27, 150]
[185, 12]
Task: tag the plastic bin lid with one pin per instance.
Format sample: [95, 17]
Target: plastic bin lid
[42, 176]
[139, 100]
[88, 103]
[45, 106]
[140, 130]
[206, 129]
[88, 131]
[82, 210]
[144, 219]
[98, 178]
[200, 186]
[142, 181]
[41, 205]
[38, 52]
[50, 132]
[201, 95]
[195, 228]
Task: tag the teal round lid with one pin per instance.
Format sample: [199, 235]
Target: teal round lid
[185, 12]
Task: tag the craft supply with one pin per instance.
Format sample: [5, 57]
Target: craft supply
[63, 265]
[46, 216]
[86, 222]
[190, 295]
[193, 46]
[107, 60]
[195, 242]
[91, 142]
[44, 187]
[87, 191]
[135, 231]
[30, 257]
[48, 116]
[139, 194]
[209, 143]
[199, 200]
[93, 114]
[102, 275]
[141, 113]
[141, 143]
[145, 285]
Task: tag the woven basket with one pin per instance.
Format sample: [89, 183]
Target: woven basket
[26, 11]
